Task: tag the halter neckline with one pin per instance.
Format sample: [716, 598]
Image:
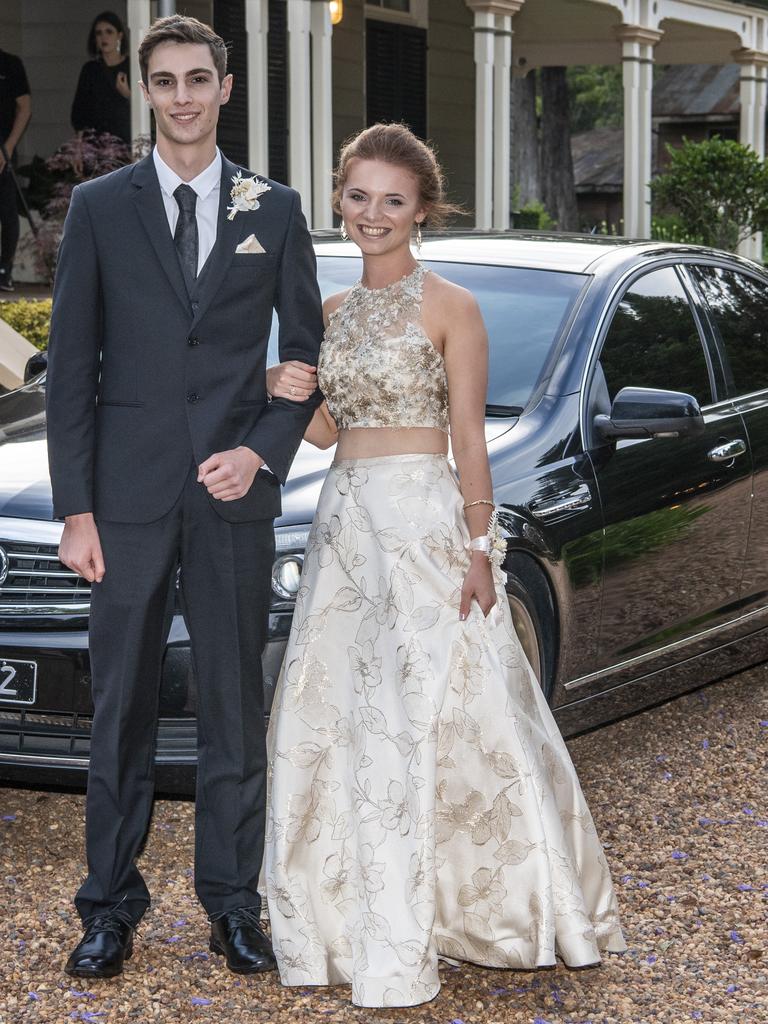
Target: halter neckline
[395, 284]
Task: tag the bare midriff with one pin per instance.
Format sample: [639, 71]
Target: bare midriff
[368, 442]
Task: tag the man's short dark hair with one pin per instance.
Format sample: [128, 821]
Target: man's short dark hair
[178, 28]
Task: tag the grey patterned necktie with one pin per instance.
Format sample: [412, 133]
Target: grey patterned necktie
[185, 235]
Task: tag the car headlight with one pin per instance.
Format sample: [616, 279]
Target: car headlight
[290, 542]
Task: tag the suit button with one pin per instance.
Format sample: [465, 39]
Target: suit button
[193, 396]
[193, 341]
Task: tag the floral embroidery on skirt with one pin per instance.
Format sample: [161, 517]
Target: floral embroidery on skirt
[422, 800]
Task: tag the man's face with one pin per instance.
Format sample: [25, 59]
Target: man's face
[184, 92]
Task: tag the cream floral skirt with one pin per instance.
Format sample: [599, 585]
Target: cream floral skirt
[422, 801]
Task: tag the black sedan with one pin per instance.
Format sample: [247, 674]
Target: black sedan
[627, 427]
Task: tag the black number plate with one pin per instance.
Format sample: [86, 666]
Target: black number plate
[18, 682]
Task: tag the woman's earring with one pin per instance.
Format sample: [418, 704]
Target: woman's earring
[418, 237]
[343, 231]
[119, 45]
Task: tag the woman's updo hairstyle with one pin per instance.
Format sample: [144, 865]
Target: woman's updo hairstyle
[397, 145]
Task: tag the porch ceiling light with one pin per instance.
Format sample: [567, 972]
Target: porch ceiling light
[337, 11]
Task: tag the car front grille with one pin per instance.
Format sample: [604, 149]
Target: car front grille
[47, 736]
[37, 583]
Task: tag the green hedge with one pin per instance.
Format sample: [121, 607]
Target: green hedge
[30, 317]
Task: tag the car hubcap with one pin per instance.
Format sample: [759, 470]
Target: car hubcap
[526, 632]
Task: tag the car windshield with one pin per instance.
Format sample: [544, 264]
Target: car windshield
[524, 311]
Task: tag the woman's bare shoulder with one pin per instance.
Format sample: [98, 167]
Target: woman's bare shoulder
[332, 303]
[449, 300]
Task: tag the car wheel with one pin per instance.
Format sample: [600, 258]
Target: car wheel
[533, 616]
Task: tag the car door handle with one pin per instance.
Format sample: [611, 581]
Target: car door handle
[726, 452]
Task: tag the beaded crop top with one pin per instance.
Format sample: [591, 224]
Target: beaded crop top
[377, 367]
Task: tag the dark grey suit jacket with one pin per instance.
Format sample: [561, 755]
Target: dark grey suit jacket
[146, 374]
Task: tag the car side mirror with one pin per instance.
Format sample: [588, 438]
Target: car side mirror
[36, 364]
[650, 412]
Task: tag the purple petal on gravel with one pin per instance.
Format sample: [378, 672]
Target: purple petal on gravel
[705, 744]
[745, 887]
[200, 1001]
[735, 937]
[706, 821]
[696, 1014]
[173, 938]
[762, 824]
[764, 724]
[667, 776]
[81, 995]
[9, 817]
[642, 885]
[540, 1020]
[660, 758]
[33, 996]
[499, 991]
[748, 810]
[679, 855]
[650, 959]
[181, 923]
[732, 988]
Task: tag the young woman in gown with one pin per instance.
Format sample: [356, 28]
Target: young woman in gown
[423, 802]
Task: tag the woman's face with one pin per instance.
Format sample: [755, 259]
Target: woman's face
[107, 37]
[379, 204]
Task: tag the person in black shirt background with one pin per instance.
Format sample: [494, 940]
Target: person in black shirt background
[102, 100]
[15, 111]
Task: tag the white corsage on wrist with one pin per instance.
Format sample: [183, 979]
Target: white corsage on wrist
[492, 544]
[245, 194]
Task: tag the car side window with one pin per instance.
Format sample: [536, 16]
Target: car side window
[738, 304]
[653, 340]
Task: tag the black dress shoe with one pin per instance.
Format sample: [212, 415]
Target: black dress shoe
[237, 935]
[105, 946]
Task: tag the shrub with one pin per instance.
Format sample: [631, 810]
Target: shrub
[31, 318]
[85, 156]
[718, 187]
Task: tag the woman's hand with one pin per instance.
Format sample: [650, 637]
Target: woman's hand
[293, 380]
[478, 584]
[121, 84]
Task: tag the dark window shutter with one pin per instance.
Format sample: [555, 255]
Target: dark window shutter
[396, 74]
[277, 89]
[229, 23]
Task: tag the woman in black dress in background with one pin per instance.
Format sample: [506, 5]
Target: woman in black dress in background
[102, 101]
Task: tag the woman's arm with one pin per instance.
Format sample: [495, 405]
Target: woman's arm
[466, 362]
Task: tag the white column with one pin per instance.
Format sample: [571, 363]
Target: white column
[138, 18]
[484, 54]
[501, 95]
[166, 8]
[637, 45]
[256, 27]
[299, 103]
[322, 115]
[752, 99]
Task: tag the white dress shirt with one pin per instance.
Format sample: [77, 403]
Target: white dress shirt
[207, 186]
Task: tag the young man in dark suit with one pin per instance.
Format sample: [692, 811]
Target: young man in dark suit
[165, 452]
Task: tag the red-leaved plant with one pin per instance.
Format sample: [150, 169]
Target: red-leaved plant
[85, 156]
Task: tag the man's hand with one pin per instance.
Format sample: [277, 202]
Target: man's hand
[80, 547]
[9, 150]
[228, 476]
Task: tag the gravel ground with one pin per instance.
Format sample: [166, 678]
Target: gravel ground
[679, 795]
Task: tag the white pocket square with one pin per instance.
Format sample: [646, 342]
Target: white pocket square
[250, 244]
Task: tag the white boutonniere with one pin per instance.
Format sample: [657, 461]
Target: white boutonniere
[245, 194]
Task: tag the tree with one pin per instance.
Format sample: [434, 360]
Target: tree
[597, 97]
[556, 163]
[526, 182]
[719, 188]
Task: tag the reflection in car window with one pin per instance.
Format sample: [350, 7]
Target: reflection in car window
[524, 311]
[653, 341]
[739, 306]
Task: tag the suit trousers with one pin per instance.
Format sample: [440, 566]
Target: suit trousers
[9, 220]
[224, 589]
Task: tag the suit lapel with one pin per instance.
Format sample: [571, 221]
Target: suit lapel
[227, 238]
[150, 208]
